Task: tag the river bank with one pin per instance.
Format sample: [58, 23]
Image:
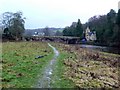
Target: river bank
[113, 50]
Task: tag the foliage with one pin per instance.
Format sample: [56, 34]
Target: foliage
[106, 27]
[75, 30]
[118, 18]
[7, 16]
[79, 29]
[13, 24]
[58, 33]
[68, 31]
[116, 35]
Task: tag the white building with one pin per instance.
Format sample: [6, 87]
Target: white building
[90, 36]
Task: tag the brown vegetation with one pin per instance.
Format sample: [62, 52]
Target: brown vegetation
[92, 69]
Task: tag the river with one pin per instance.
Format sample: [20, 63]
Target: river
[102, 48]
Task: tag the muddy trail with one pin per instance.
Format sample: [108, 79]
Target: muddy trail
[45, 80]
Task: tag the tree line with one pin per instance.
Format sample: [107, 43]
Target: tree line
[107, 28]
[13, 27]
[74, 30]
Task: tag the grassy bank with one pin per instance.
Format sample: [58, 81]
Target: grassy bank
[85, 68]
[19, 66]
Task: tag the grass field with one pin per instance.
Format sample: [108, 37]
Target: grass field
[59, 80]
[83, 68]
[75, 67]
[19, 66]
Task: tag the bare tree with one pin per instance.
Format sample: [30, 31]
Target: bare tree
[14, 24]
[46, 31]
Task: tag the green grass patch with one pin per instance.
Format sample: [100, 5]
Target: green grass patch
[58, 78]
[19, 66]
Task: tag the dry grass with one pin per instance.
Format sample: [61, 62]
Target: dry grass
[92, 69]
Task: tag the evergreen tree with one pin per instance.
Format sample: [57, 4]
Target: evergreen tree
[116, 36]
[118, 18]
[79, 29]
[110, 26]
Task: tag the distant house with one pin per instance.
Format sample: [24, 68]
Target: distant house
[90, 36]
[35, 34]
[38, 34]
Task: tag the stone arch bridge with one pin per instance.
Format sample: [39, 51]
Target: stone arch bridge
[62, 39]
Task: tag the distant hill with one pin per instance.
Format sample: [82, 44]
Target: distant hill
[31, 32]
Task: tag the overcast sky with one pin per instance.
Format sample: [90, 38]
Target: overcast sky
[57, 13]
